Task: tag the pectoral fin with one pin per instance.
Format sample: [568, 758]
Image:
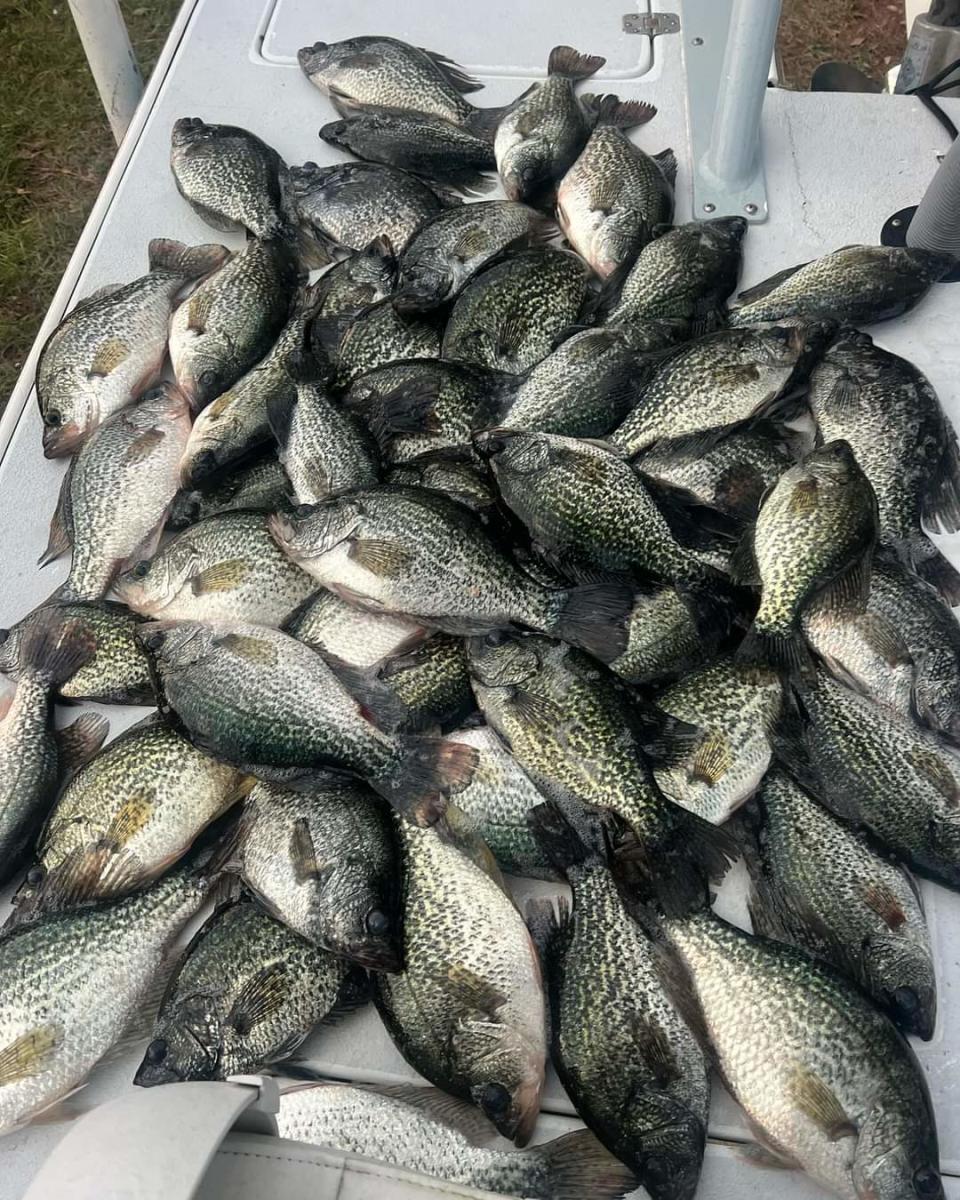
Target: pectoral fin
[29, 1054]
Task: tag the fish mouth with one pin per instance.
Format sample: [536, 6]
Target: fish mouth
[283, 531]
[61, 440]
[524, 1111]
[154, 1074]
[198, 467]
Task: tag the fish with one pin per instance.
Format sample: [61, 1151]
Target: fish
[541, 136]
[418, 554]
[380, 335]
[891, 417]
[467, 1010]
[415, 406]
[118, 671]
[509, 317]
[432, 682]
[340, 630]
[378, 72]
[345, 290]
[233, 318]
[125, 818]
[736, 710]
[110, 347]
[116, 493]
[496, 803]
[422, 1129]
[703, 388]
[256, 697]
[225, 568]
[685, 273]
[417, 142]
[878, 770]
[324, 862]
[578, 733]
[323, 449]
[855, 285]
[670, 631]
[816, 530]
[828, 1083]
[447, 251]
[624, 1054]
[230, 178]
[349, 204]
[234, 425]
[733, 475]
[454, 471]
[817, 884]
[72, 983]
[613, 197]
[260, 485]
[34, 758]
[245, 995]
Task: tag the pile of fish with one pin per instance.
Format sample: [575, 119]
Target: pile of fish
[489, 552]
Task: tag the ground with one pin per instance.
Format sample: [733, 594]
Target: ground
[55, 145]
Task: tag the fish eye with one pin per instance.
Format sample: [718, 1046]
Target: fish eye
[906, 999]
[926, 1181]
[377, 922]
[152, 640]
[36, 875]
[304, 510]
[141, 569]
[53, 417]
[156, 1052]
[495, 1100]
[496, 637]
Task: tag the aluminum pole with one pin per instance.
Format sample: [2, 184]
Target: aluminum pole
[731, 157]
[113, 64]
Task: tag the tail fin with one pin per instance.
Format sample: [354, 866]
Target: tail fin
[54, 650]
[782, 650]
[674, 870]
[580, 1168]
[192, 262]
[570, 840]
[935, 569]
[622, 114]
[429, 769]
[407, 408]
[941, 509]
[571, 64]
[483, 122]
[594, 617]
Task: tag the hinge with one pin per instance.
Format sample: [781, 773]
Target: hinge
[651, 24]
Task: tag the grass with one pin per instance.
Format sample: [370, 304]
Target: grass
[55, 145]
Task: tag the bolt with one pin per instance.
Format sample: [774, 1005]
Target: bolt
[750, 208]
[697, 41]
[708, 207]
[896, 222]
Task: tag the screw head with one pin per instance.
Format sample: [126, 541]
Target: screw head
[697, 41]
[708, 207]
[896, 222]
[750, 208]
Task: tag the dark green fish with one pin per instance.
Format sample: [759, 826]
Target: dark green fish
[455, 472]
[669, 632]
[433, 684]
[260, 485]
[345, 290]
[379, 335]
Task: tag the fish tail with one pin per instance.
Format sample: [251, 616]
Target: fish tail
[941, 508]
[594, 617]
[571, 64]
[407, 408]
[192, 262]
[570, 839]
[674, 871]
[621, 114]
[483, 122]
[429, 769]
[54, 649]
[938, 571]
[579, 1168]
[783, 650]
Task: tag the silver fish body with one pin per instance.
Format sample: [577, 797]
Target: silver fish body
[356, 635]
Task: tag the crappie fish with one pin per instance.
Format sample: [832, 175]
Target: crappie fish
[323, 862]
[126, 817]
[827, 1082]
[819, 886]
[247, 992]
[496, 802]
[118, 671]
[816, 529]
[117, 491]
[416, 553]
[455, 472]
[432, 683]
[685, 273]
[229, 177]
[879, 771]
[416, 142]
[735, 709]
[422, 1129]
[704, 387]
[669, 632]
[576, 731]
[623, 1052]
[354, 635]
[467, 1010]
[111, 345]
[222, 569]
[381, 335]
[260, 485]
[903, 440]
[345, 290]
[256, 696]
[509, 317]
[233, 318]
[447, 251]
[613, 197]
[350, 204]
[34, 759]
[855, 285]
[71, 984]
[235, 424]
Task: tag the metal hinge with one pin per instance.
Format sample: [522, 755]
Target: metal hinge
[651, 24]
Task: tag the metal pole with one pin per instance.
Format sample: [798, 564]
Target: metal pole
[936, 223]
[111, 58]
[731, 157]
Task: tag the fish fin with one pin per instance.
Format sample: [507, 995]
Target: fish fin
[781, 650]
[429, 768]
[713, 759]
[261, 997]
[941, 502]
[620, 114]
[803, 498]
[60, 538]
[764, 1159]
[653, 1046]
[407, 408]
[594, 617]
[885, 639]
[165, 254]
[220, 577]
[578, 1165]
[29, 1054]
[851, 589]
[845, 396]
[929, 764]
[380, 557]
[313, 251]
[819, 1102]
[536, 711]
[571, 64]
[109, 355]
[666, 740]
[473, 241]
[543, 922]
[56, 649]
[571, 838]
[252, 649]
[474, 992]
[766, 286]
[666, 160]
[79, 741]
[743, 561]
[140, 449]
[879, 898]
[378, 702]
[198, 311]
[303, 853]
[462, 830]
[456, 1114]
[454, 74]
[510, 335]
[100, 293]
[940, 573]
[603, 192]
